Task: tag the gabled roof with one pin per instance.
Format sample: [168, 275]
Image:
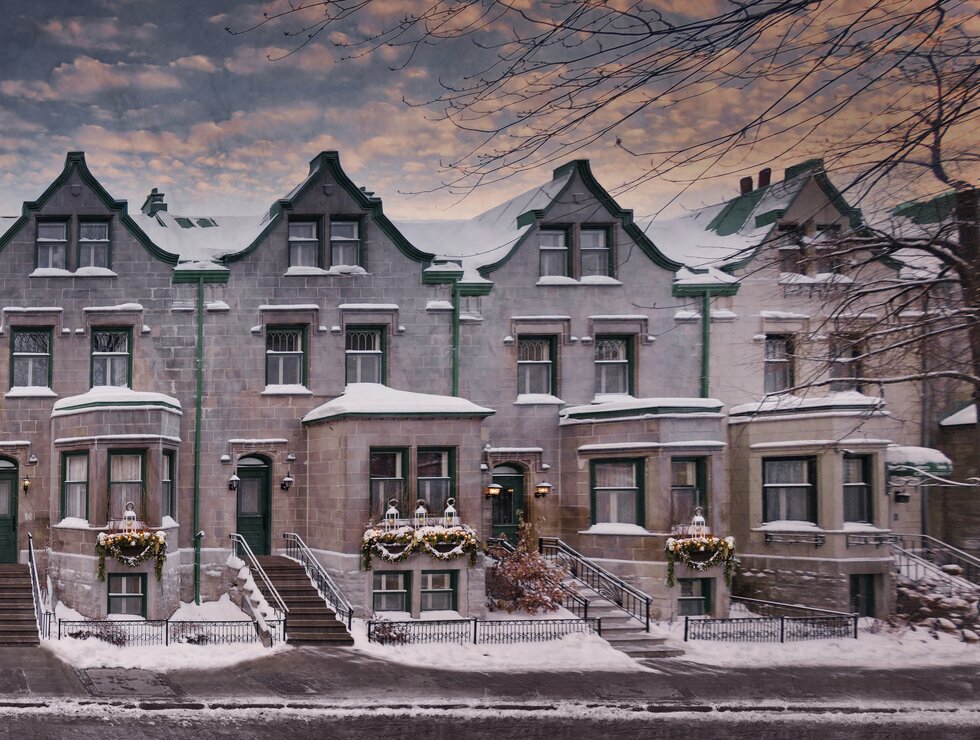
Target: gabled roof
[484, 243]
[75, 162]
[200, 238]
[729, 234]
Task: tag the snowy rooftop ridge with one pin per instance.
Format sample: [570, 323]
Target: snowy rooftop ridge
[191, 240]
[962, 417]
[374, 399]
[786, 402]
[644, 404]
[107, 395]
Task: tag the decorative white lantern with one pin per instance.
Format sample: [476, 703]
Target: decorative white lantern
[421, 514]
[391, 515]
[698, 528]
[129, 518]
[449, 516]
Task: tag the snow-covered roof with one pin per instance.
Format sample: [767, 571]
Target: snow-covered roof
[373, 399]
[107, 395]
[200, 239]
[787, 402]
[963, 417]
[919, 458]
[629, 407]
[484, 239]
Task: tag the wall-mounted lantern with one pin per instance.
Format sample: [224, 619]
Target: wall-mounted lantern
[287, 481]
[492, 490]
[26, 483]
[449, 516]
[290, 457]
[421, 514]
[391, 514]
[543, 489]
[233, 482]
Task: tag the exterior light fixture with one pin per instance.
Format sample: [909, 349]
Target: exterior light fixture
[290, 457]
[287, 482]
[698, 528]
[233, 482]
[421, 514]
[450, 517]
[543, 489]
[492, 490]
[32, 460]
[26, 483]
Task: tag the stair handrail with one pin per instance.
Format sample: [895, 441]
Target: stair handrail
[638, 605]
[329, 590]
[573, 601]
[969, 563]
[240, 546]
[40, 616]
[905, 558]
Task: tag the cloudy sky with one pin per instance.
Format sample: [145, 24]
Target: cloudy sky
[158, 94]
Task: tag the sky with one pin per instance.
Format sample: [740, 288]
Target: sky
[158, 94]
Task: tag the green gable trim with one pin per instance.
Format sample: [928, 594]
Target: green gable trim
[121, 405]
[329, 163]
[934, 211]
[401, 415]
[200, 276]
[582, 168]
[732, 217]
[770, 217]
[441, 277]
[641, 411]
[798, 169]
[687, 290]
[75, 161]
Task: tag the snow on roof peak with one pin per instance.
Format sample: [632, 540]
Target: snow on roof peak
[374, 399]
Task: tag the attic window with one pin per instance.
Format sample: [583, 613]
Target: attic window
[184, 223]
[206, 223]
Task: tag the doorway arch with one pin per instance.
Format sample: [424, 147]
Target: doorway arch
[254, 503]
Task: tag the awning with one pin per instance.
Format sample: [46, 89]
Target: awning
[908, 461]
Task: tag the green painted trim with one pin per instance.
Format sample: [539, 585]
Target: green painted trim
[732, 217]
[455, 347]
[14, 331]
[116, 404]
[800, 167]
[37, 244]
[78, 239]
[933, 211]
[474, 289]
[808, 410]
[120, 452]
[198, 276]
[144, 595]
[441, 277]
[328, 162]
[382, 340]
[303, 329]
[934, 468]
[171, 456]
[401, 415]
[705, 345]
[76, 161]
[770, 217]
[198, 410]
[812, 485]
[689, 290]
[64, 481]
[700, 479]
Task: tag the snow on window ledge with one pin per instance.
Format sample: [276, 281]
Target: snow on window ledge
[30, 391]
[304, 270]
[73, 522]
[286, 390]
[48, 272]
[862, 527]
[612, 397]
[347, 270]
[556, 280]
[788, 525]
[540, 399]
[617, 528]
[94, 272]
[169, 523]
[599, 280]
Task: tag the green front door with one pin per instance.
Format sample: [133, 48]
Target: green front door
[254, 504]
[8, 512]
[508, 505]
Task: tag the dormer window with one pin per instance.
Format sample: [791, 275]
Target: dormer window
[93, 244]
[554, 252]
[304, 244]
[52, 244]
[345, 243]
[594, 248]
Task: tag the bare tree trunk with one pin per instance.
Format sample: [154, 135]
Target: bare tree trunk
[967, 211]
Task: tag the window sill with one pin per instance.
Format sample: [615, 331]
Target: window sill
[552, 280]
[788, 525]
[612, 398]
[599, 280]
[49, 272]
[618, 530]
[74, 522]
[307, 271]
[556, 280]
[30, 391]
[538, 399]
[286, 390]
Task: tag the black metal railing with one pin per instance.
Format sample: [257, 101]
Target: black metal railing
[776, 622]
[41, 616]
[940, 554]
[165, 632]
[331, 593]
[242, 550]
[476, 631]
[609, 586]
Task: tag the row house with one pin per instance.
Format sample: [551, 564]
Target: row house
[324, 370]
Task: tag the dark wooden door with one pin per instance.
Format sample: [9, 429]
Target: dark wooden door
[508, 506]
[8, 515]
[254, 508]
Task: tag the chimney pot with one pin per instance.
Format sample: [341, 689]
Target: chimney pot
[154, 203]
[745, 185]
[765, 177]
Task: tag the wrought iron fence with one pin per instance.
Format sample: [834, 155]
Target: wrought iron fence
[486, 632]
[330, 591]
[777, 622]
[143, 633]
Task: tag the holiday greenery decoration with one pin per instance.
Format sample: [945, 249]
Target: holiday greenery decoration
[701, 553]
[131, 549]
[436, 541]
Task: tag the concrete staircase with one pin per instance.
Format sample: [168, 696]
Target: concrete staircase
[622, 631]
[18, 624]
[310, 620]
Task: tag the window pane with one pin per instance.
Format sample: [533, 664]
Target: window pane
[344, 253]
[437, 601]
[435, 492]
[433, 464]
[610, 349]
[786, 471]
[593, 238]
[6, 489]
[110, 341]
[30, 371]
[533, 350]
[76, 468]
[249, 495]
[303, 230]
[611, 378]
[53, 231]
[615, 475]
[386, 465]
[343, 229]
[616, 506]
[595, 262]
[125, 468]
[363, 368]
[534, 378]
[853, 470]
[284, 340]
[554, 262]
[553, 239]
[93, 231]
[384, 490]
[33, 342]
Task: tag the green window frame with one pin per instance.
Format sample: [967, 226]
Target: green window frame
[387, 472]
[435, 477]
[617, 491]
[391, 591]
[30, 357]
[365, 355]
[286, 355]
[51, 244]
[74, 485]
[168, 484]
[439, 590]
[112, 357]
[303, 238]
[345, 242]
[696, 596]
[94, 243]
[554, 252]
[125, 482]
[789, 489]
[595, 251]
[858, 491]
[614, 365]
[126, 594]
[537, 365]
[688, 490]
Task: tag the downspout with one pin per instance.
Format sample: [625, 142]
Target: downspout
[705, 343]
[197, 440]
[455, 349]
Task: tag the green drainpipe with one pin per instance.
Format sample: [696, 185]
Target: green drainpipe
[705, 344]
[197, 440]
[455, 351]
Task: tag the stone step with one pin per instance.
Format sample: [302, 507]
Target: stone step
[339, 640]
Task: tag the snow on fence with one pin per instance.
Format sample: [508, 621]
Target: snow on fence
[476, 631]
[145, 632]
[775, 622]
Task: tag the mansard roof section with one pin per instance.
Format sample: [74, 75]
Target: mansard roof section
[728, 235]
[200, 239]
[326, 166]
[485, 243]
[75, 163]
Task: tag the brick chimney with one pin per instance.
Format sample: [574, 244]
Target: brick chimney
[765, 177]
[745, 185]
[154, 202]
